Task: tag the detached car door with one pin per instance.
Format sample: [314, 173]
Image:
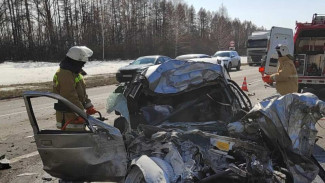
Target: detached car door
[94, 154]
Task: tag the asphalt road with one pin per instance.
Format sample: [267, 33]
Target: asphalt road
[18, 145]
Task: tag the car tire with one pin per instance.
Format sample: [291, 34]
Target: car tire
[250, 64]
[229, 66]
[238, 66]
[135, 176]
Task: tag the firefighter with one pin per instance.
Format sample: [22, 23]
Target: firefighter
[286, 77]
[69, 83]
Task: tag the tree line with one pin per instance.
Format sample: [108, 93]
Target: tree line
[45, 29]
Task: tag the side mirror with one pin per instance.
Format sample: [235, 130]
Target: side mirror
[232, 56]
[158, 62]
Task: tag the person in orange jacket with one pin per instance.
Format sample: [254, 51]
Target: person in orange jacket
[286, 77]
[69, 83]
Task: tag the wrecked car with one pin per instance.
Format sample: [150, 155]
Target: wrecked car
[181, 91]
[185, 122]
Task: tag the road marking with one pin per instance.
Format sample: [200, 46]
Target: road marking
[12, 113]
[26, 174]
[23, 111]
[29, 136]
[99, 97]
[16, 159]
[3, 115]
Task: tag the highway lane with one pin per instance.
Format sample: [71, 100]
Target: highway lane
[16, 137]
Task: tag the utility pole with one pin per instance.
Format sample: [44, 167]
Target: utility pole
[103, 37]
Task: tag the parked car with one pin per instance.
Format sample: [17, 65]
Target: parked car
[230, 59]
[126, 73]
[189, 56]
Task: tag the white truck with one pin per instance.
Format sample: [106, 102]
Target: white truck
[278, 35]
[257, 45]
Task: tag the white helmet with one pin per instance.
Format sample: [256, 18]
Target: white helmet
[282, 50]
[79, 53]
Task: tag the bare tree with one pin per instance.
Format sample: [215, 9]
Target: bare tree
[45, 29]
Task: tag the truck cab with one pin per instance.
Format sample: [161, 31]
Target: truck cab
[257, 45]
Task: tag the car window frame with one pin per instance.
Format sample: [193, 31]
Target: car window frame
[166, 58]
[161, 59]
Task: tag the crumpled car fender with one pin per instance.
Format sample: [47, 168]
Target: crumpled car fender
[151, 171]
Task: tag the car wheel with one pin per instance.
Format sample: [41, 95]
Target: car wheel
[238, 66]
[250, 64]
[229, 66]
[135, 176]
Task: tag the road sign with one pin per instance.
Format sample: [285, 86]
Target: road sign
[232, 43]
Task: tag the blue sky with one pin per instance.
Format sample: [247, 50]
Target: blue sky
[281, 13]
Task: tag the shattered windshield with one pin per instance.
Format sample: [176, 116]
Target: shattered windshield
[222, 54]
[262, 43]
[144, 60]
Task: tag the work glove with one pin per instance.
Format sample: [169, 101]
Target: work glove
[78, 120]
[91, 110]
[267, 79]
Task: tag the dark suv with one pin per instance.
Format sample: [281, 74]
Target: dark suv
[126, 73]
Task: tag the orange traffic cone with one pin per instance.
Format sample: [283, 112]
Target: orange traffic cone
[244, 86]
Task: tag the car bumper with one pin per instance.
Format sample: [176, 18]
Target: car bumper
[122, 77]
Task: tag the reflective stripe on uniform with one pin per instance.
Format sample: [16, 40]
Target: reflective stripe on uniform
[78, 79]
[71, 126]
[55, 79]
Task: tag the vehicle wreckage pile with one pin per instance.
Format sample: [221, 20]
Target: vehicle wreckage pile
[185, 122]
[188, 122]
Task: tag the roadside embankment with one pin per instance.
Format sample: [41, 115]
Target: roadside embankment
[16, 90]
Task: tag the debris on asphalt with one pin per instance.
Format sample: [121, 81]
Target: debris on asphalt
[251, 94]
[47, 178]
[4, 163]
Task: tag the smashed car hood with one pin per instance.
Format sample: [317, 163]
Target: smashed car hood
[135, 67]
[191, 148]
[294, 116]
[175, 76]
[289, 123]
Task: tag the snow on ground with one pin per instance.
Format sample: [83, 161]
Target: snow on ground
[34, 72]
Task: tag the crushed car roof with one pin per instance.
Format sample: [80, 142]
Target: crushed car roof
[176, 75]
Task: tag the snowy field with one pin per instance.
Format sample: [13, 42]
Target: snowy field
[34, 72]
